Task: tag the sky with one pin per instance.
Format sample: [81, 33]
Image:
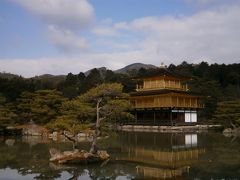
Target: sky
[61, 36]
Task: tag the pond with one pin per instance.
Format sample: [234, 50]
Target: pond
[133, 156]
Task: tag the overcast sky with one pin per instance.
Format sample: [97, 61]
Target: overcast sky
[61, 36]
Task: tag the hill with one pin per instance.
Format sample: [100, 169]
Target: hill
[8, 75]
[50, 81]
[134, 67]
[50, 77]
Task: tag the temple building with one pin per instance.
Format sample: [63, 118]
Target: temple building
[163, 98]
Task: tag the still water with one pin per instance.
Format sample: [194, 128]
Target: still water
[133, 156]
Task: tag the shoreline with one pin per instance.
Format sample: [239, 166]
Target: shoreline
[166, 129]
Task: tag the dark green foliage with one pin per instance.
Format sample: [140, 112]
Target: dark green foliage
[41, 106]
[227, 113]
[201, 70]
[12, 88]
[23, 107]
[114, 103]
[211, 92]
[128, 83]
[47, 81]
[72, 86]
[93, 79]
[76, 113]
[7, 116]
[75, 85]
[185, 69]
[73, 116]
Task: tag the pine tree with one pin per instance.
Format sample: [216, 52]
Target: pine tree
[227, 113]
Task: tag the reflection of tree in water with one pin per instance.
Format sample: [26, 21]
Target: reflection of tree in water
[221, 160]
[95, 171]
[27, 159]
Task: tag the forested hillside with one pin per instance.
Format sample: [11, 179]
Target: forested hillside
[41, 98]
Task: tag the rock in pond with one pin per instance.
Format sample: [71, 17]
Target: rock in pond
[76, 156]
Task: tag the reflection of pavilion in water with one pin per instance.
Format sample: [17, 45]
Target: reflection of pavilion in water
[161, 155]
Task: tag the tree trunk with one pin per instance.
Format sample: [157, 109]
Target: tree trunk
[93, 148]
[72, 140]
[233, 125]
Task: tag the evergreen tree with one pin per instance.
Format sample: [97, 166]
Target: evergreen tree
[211, 93]
[78, 112]
[7, 116]
[41, 106]
[93, 80]
[110, 102]
[227, 113]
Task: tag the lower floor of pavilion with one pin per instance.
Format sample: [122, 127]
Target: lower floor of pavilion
[164, 116]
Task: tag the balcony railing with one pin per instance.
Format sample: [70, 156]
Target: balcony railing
[142, 88]
[167, 104]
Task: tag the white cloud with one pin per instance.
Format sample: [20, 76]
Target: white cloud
[66, 21]
[67, 13]
[121, 25]
[104, 31]
[32, 67]
[207, 35]
[66, 40]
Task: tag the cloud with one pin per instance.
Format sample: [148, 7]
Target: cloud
[121, 25]
[66, 21]
[66, 13]
[39, 66]
[208, 35]
[67, 41]
[104, 31]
